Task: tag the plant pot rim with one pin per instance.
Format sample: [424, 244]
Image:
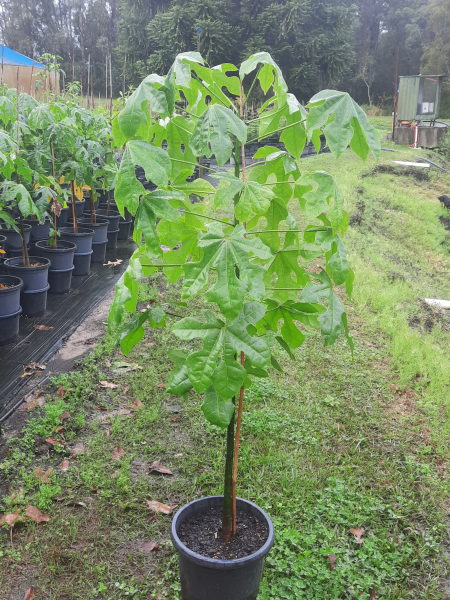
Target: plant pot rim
[17, 284]
[42, 244]
[82, 231]
[100, 221]
[28, 220]
[44, 263]
[2, 238]
[76, 200]
[25, 226]
[220, 564]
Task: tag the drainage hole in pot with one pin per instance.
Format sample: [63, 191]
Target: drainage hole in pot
[202, 532]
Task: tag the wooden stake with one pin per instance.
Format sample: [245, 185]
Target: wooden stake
[89, 73]
[124, 68]
[55, 92]
[74, 212]
[110, 87]
[55, 237]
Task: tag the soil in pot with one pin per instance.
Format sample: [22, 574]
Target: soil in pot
[202, 534]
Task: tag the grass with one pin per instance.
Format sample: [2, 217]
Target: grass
[332, 444]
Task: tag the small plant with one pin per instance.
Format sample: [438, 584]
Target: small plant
[260, 292]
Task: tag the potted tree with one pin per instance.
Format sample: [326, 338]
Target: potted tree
[246, 249]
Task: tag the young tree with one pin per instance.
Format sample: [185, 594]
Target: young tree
[252, 265]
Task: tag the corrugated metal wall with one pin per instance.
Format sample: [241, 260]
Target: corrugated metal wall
[407, 98]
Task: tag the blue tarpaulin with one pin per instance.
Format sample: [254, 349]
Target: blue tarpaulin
[18, 60]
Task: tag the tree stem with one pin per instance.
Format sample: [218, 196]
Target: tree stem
[74, 212]
[93, 214]
[236, 449]
[227, 488]
[25, 257]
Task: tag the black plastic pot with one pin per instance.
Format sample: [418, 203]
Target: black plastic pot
[82, 239]
[9, 295]
[100, 228]
[79, 207]
[9, 327]
[39, 231]
[87, 205]
[113, 218]
[204, 578]
[2, 256]
[98, 251]
[113, 207]
[82, 263]
[60, 281]
[61, 257]
[13, 252]
[62, 219]
[34, 278]
[112, 240]
[124, 229]
[34, 302]
[14, 239]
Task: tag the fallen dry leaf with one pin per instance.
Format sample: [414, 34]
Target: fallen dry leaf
[108, 431]
[28, 374]
[108, 362]
[126, 389]
[159, 468]
[51, 441]
[41, 476]
[29, 594]
[78, 449]
[148, 547]
[373, 595]
[117, 454]
[108, 384]
[42, 327]
[35, 365]
[64, 415]
[161, 385]
[358, 533]
[114, 264]
[332, 558]
[178, 455]
[58, 429]
[136, 404]
[61, 391]
[160, 507]
[16, 497]
[11, 518]
[202, 470]
[64, 465]
[114, 474]
[36, 515]
[101, 407]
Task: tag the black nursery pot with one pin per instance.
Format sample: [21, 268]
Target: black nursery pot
[39, 231]
[82, 239]
[100, 228]
[61, 257]
[60, 281]
[34, 302]
[204, 578]
[9, 327]
[14, 239]
[79, 207]
[113, 218]
[112, 240]
[98, 252]
[87, 205]
[62, 219]
[113, 207]
[34, 278]
[82, 263]
[10, 294]
[124, 229]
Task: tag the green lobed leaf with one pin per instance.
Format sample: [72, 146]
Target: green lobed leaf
[350, 126]
[216, 410]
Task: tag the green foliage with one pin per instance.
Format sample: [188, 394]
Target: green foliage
[254, 281]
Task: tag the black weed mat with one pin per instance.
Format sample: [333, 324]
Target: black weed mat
[64, 313]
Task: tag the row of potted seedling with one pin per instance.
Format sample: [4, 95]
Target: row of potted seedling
[23, 289]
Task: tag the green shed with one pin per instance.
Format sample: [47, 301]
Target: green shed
[419, 97]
